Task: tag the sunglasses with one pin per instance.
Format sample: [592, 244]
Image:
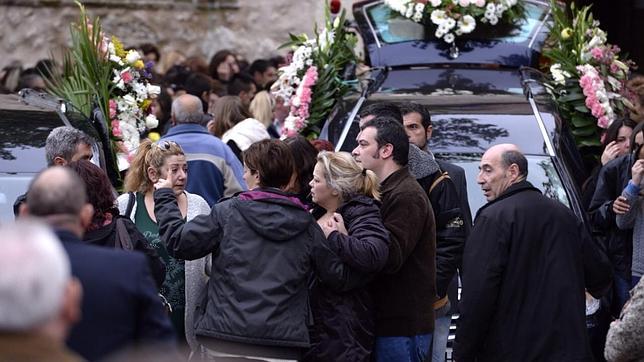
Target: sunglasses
[166, 145]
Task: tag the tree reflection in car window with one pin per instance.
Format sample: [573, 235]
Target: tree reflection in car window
[541, 174]
[454, 133]
[551, 183]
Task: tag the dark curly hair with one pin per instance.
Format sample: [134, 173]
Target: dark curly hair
[99, 190]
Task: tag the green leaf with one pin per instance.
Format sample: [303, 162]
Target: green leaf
[580, 122]
[582, 109]
[571, 96]
[584, 131]
[590, 142]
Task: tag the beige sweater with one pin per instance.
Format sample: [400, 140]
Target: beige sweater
[196, 270]
[625, 339]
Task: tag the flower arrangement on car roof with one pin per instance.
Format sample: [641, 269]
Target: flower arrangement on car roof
[453, 18]
[587, 77]
[312, 82]
[99, 72]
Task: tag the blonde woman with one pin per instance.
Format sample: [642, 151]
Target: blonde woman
[152, 162]
[261, 107]
[348, 213]
[232, 123]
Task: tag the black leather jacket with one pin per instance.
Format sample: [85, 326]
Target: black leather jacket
[451, 229]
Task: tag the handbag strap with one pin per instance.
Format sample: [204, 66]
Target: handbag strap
[130, 204]
[124, 241]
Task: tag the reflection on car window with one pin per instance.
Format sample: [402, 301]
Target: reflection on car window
[473, 133]
[541, 173]
[396, 29]
[22, 142]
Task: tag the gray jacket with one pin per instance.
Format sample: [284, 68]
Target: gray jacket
[625, 339]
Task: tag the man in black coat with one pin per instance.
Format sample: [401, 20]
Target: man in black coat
[121, 307]
[526, 265]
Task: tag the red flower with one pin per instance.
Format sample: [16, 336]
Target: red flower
[334, 6]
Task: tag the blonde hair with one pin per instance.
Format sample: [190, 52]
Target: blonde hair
[228, 112]
[344, 175]
[148, 155]
[261, 107]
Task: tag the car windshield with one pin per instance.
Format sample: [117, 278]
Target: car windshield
[391, 28]
[541, 173]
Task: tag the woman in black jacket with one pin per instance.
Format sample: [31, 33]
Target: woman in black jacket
[108, 228]
[265, 248]
[349, 214]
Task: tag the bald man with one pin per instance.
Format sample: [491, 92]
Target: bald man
[525, 268]
[213, 169]
[121, 307]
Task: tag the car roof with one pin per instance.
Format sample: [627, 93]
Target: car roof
[472, 109]
[401, 42]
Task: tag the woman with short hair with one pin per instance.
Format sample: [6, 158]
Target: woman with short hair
[348, 212]
[265, 248]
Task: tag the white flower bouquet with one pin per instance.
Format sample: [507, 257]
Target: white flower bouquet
[453, 18]
[587, 77]
[311, 82]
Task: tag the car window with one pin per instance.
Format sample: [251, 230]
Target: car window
[541, 173]
[11, 186]
[392, 29]
[473, 133]
[22, 143]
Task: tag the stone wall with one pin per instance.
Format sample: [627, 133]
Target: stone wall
[31, 29]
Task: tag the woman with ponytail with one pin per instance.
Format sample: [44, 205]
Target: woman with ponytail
[152, 162]
[348, 212]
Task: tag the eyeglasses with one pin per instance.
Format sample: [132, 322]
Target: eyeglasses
[166, 144]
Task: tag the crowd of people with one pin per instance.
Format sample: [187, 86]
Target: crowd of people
[227, 243]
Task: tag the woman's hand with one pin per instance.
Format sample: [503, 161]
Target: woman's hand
[621, 206]
[163, 183]
[637, 172]
[339, 223]
[335, 223]
[611, 152]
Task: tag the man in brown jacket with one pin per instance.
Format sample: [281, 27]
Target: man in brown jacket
[404, 292]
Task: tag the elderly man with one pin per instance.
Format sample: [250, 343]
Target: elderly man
[39, 299]
[214, 170]
[121, 306]
[525, 265]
